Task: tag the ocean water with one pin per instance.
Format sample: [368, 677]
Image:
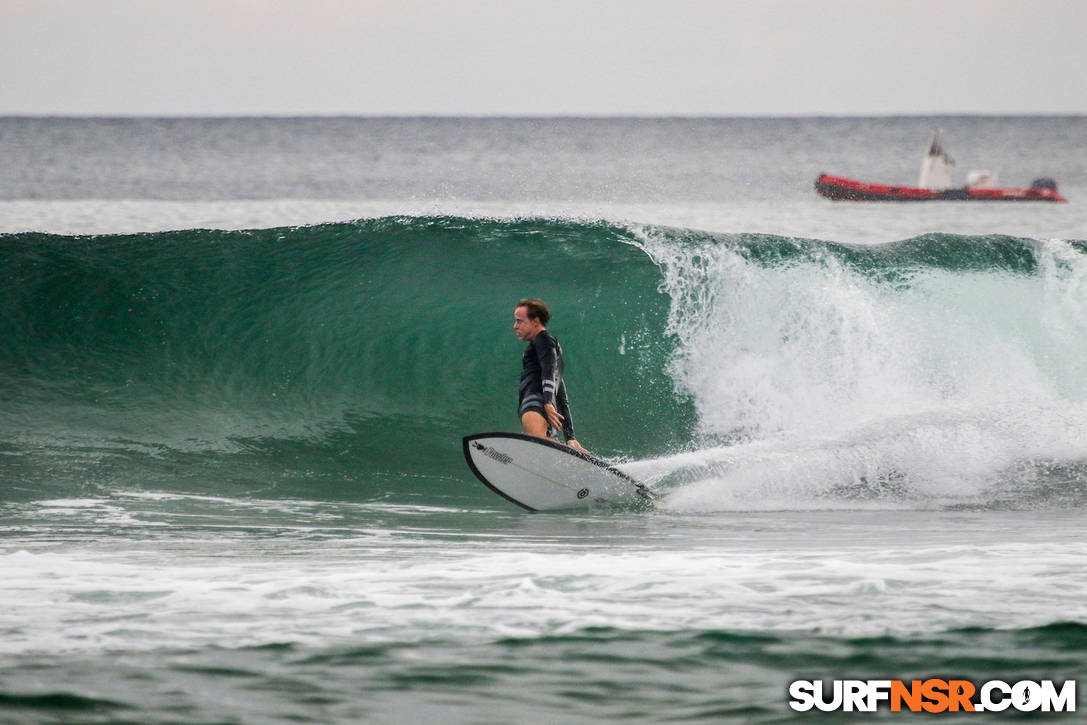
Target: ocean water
[239, 356]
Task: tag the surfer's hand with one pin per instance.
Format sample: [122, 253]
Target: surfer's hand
[575, 445]
[553, 416]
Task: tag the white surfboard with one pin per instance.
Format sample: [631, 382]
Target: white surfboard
[542, 475]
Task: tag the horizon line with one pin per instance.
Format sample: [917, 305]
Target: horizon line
[542, 116]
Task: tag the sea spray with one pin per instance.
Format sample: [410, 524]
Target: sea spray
[928, 372]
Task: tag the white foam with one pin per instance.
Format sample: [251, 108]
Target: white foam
[841, 575]
[834, 385]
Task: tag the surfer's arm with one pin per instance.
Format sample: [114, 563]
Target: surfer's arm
[547, 353]
[561, 421]
[557, 405]
[559, 418]
[563, 408]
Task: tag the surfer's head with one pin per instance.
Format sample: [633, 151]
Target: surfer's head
[529, 317]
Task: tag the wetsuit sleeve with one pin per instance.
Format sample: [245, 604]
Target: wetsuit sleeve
[547, 353]
[563, 406]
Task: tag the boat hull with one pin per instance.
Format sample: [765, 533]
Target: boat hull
[840, 188]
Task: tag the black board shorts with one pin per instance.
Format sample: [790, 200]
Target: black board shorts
[532, 402]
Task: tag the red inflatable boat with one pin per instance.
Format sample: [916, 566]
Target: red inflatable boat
[841, 188]
[935, 184]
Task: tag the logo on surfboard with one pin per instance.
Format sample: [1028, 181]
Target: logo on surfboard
[493, 454]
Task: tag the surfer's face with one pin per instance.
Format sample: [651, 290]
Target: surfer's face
[524, 326]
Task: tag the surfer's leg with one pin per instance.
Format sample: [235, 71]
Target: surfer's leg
[533, 423]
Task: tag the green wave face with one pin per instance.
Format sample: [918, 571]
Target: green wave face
[346, 360]
[351, 350]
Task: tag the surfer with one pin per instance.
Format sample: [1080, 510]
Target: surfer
[543, 405]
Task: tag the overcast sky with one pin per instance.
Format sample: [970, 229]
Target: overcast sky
[542, 57]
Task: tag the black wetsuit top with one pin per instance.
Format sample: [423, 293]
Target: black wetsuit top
[541, 381]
